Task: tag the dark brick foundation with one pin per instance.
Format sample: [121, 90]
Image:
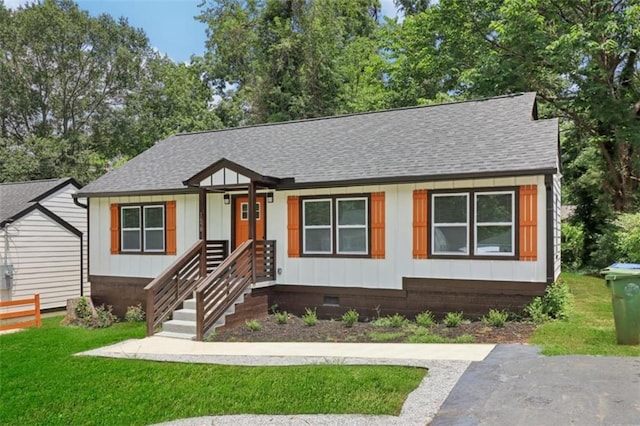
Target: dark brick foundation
[118, 292]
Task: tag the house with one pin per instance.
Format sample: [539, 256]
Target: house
[43, 244]
[452, 207]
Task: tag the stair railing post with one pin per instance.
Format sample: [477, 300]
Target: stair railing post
[199, 316]
[151, 316]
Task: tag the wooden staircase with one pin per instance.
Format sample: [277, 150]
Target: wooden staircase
[218, 289]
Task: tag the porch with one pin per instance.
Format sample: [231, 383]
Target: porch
[217, 273]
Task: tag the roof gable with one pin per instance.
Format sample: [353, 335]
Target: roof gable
[496, 136]
[18, 198]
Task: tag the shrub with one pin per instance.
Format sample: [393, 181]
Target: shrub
[104, 317]
[83, 310]
[253, 325]
[572, 246]
[554, 304]
[628, 237]
[495, 318]
[381, 322]
[310, 317]
[281, 317]
[425, 319]
[453, 319]
[350, 317]
[134, 313]
[398, 320]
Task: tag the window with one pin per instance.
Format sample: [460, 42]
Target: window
[450, 224]
[142, 228]
[336, 226]
[244, 211]
[494, 223]
[482, 220]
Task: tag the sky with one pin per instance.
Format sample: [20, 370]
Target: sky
[169, 24]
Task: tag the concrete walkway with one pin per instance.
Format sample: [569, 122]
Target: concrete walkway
[445, 364]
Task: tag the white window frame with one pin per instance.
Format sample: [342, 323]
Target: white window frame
[145, 229]
[448, 224]
[244, 214]
[123, 229]
[365, 226]
[512, 223]
[305, 226]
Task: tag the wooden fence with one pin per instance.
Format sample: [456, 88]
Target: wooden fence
[35, 312]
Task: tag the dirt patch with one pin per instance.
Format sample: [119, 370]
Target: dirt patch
[295, 330]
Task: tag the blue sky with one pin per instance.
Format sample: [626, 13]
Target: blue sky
[169, 24]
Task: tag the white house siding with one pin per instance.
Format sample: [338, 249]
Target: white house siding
[102, 262]
[384, 273]
[387, 273]
[61, 203]
[557, 217]
[46, 259]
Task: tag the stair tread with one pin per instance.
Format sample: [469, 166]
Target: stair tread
[173, 335]
[180, 322]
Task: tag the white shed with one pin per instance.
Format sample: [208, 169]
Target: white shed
[43, 242]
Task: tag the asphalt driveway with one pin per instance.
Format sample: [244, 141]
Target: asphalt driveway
[515, 385]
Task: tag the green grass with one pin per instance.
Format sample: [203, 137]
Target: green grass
[589, 328]
[43, 383]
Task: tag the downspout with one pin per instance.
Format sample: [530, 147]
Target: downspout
[548, 185]
[83, 206]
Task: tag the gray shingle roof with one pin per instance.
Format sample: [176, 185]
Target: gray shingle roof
[17, 197]
[495, 135]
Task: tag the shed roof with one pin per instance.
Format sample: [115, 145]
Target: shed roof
[18, 197]
[495, 136]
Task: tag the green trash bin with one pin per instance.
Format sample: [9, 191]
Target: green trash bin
[624, 282]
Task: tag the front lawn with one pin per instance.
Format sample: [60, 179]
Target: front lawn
[589, 328]
[41, 382]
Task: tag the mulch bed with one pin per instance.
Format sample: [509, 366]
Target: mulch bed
[295, 330]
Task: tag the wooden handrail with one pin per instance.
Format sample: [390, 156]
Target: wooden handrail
[36, 322]
[172, 287]
[220, 289]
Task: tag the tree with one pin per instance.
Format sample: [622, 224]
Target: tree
[281, 58]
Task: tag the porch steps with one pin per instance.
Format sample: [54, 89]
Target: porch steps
[183, 324]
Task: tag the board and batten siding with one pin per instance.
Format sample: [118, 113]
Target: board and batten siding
[557, 219]
[46, 260]
[387, 273]
[61, 203]
[102, 262]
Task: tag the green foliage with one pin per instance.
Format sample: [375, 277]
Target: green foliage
[397, 321]
[134, 313]
[496, 318]
[104, 317]
[350, 317]
[425, 319]
[253, 325]
[627, 234]
[554, 304]
[572, 246]
[589, 327]
[83, 310]
[387, 336]
[423, 335]
[45, 388]
[310, 318]
[281, 317]
[453, 319]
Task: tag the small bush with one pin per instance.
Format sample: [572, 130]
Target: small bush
[453, 319]
[310, 317]
[425, 319]
[572, 246]
[104, 317]
[253, 325]
[350, 317]
[386, 337]
[134, 313]
[398, 320]
[554, 304]
[496, 318]
[423, 335]
[281, 317]
[381, 322]
[83, 310]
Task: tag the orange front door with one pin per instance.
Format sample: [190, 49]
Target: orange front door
[241, 220]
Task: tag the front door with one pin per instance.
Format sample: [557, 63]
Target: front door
[241, 219]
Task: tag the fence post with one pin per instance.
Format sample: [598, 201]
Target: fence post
[36, 301]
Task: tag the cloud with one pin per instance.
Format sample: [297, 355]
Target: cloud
[14, 4]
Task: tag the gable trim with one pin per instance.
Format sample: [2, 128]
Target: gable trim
[56, 188]
[194, 181]
[51, 215]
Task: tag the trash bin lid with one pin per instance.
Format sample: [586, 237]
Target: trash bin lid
[620, 269]
[625, 265]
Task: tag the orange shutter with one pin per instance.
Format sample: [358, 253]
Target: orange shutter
[420, 222]
[171, 227]
[528, 222]
[377, 225]
[115, 229]
[293, 226]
